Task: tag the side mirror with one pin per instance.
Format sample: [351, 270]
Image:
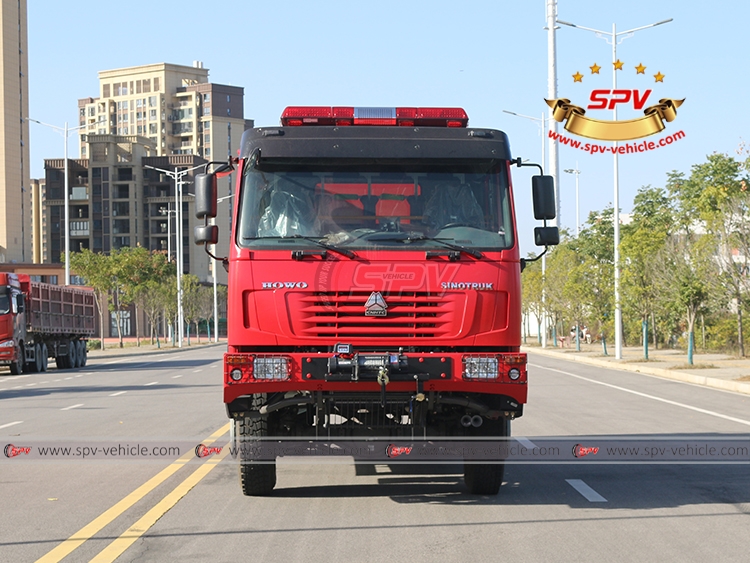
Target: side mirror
[205, 195]
[546, 236]
[206, 234]
[543, 193]
[21, 303]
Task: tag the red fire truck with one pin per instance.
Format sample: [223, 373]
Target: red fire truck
[374, 280]
[39, 321]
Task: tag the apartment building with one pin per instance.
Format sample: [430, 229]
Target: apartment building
[15, 192]
[123, 196]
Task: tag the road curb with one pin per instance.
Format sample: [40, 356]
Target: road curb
[735, 386]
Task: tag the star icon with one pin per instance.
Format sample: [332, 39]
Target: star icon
[618, 64]
[578, 77]
[595, 69]
[659, 77]
[640, 69]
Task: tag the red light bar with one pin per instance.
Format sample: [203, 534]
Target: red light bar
[295, 116]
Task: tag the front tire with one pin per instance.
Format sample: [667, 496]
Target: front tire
[486, 478]
[256, 478]
[17, 367]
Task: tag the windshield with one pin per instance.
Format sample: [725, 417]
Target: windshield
[4, 301]
[357, 207]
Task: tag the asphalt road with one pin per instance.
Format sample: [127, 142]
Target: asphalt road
[193, 510]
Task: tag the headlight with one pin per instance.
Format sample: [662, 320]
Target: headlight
[7, 344]
[480, 368]
[276, 368]
[236, 374]
[514, 373]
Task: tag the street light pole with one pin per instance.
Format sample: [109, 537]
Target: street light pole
[66, 131]
[613, 36]
[177, 177]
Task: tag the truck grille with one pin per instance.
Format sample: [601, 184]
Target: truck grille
[342, 315]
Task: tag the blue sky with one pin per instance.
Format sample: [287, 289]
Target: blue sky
[485, 56]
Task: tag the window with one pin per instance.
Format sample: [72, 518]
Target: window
[152, 114]
[207, 139]
[207, 125]
[152, 129]
[156, 84]
[124, 315]
[137, 86]
[147, 85]
[120, 226]
[152, 101]
[121, 191]
[229, 98]
[120, 209]
[105, 90]
[207, 97]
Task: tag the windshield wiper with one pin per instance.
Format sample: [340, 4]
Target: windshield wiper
[416, 237]
[326, 245]
[320, 243]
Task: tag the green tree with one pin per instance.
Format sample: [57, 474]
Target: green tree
[95, 268]
[642, 240]
[191, 289]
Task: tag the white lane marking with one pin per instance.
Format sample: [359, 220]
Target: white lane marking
[30, 384]
[72, 407]
[525, 442]
[56, 380]
[118, 393]
[114, 362]
[68, 378]
[197, 370]
[17, 387]
[176, 376]
[667, 401]
[588, 493]
[162, 360]
[11, 424]
[79, 375]
[152, 383]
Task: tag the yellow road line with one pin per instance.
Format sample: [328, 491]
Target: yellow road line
[89, 530]
[118, 546]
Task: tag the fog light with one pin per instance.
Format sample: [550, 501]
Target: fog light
[236, 374]
[514, 373]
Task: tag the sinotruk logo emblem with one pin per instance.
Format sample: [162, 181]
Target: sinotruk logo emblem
[376, 305]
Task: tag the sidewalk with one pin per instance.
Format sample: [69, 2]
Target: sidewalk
[112, 347]
[721, 371]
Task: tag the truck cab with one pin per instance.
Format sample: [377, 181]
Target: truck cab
[374, 281]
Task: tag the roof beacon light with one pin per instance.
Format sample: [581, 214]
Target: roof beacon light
[295, 116]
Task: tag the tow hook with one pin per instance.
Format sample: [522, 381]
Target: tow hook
[383, 381]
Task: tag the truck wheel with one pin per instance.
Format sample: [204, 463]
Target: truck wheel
[38, 358]
[486, 478]
[83, 353]
[45, 359]
[256, 479]
[17, 367]
[72, 354]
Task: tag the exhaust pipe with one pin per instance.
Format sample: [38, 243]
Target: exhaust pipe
[466, 421]
[476, 421]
